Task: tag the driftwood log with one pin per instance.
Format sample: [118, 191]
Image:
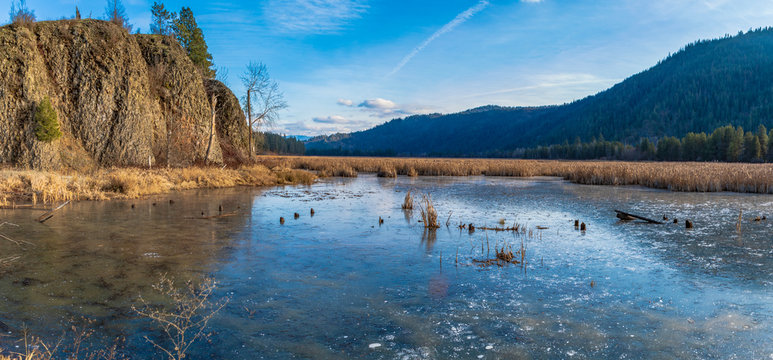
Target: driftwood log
[628, 217]
[50, 214]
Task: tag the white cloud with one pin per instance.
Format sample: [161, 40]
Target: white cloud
[345, 102]
[532, 1]
[312, 16]
[378, 103]
[334, 119]
[314, 128]
[458, 20]
[382, 108]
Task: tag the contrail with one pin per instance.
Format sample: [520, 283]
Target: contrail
[458, 20]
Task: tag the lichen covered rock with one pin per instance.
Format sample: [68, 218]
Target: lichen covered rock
[121, 99]
[231, 122]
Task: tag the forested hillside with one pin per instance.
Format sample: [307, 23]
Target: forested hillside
[271, 143]
[706, 85]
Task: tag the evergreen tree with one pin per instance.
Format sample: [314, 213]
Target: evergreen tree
[46, 122]
[694, 147]
[751, 148]
[669, 149]
[770, 146]
[735, 144]
[163, 20]
[191, 38]
[762, 135]
[647, 149]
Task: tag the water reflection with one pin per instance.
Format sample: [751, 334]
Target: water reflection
[428, 238]
[94, 258]
[332, 284]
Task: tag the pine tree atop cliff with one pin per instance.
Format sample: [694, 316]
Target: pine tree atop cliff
[163, 20]
[191, 38]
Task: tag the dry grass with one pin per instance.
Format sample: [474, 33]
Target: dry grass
[675, 176]
[126, 183]
[428, 213]
[329, 168]
[387, 172]
[408, 202]
[73, 344]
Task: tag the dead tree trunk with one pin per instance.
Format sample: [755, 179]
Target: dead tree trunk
[249, 122]
[627, 217]
[211, 129]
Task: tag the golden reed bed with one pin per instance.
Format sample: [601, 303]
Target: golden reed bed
[675, 176]
[21, 186]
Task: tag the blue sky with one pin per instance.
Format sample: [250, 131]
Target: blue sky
[347, 65]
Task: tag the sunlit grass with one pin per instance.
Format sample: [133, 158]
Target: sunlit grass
[126, 183]
[675, 176]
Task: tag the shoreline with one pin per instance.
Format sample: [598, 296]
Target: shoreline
[673, 176]
[23, 187]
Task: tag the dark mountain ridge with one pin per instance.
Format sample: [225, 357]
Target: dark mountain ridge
[707, 84]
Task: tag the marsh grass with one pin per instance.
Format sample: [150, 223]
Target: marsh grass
[408, 202]
[428, 212]
[387, 172]
[675, 176]
[129, 183]
[184, 320]
[73, 344]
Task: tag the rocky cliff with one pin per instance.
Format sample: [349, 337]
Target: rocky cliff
[121, 99]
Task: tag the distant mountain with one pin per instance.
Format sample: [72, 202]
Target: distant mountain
[706, 85]
[298, 137]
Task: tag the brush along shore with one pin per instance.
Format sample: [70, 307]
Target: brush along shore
[24, 186]
[675, 176]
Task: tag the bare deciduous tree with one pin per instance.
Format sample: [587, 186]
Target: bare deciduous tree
[116, 13]
[211, 128]
[267, 97]
[20, 14]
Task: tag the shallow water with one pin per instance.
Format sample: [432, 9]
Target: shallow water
[338, 284]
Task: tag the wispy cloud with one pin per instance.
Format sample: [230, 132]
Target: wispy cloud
[317, 128]
[312, 16]
[345, 102]
[551, 81]
[382, 108]
[458, 20]
[333, 119]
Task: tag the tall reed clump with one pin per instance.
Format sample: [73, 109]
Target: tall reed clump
[408, 202]
[293, 176]
[428, 213]
[387, 172]
[337, 170]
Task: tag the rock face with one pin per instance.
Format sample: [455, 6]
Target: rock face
[231, 122]
[121, 99]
